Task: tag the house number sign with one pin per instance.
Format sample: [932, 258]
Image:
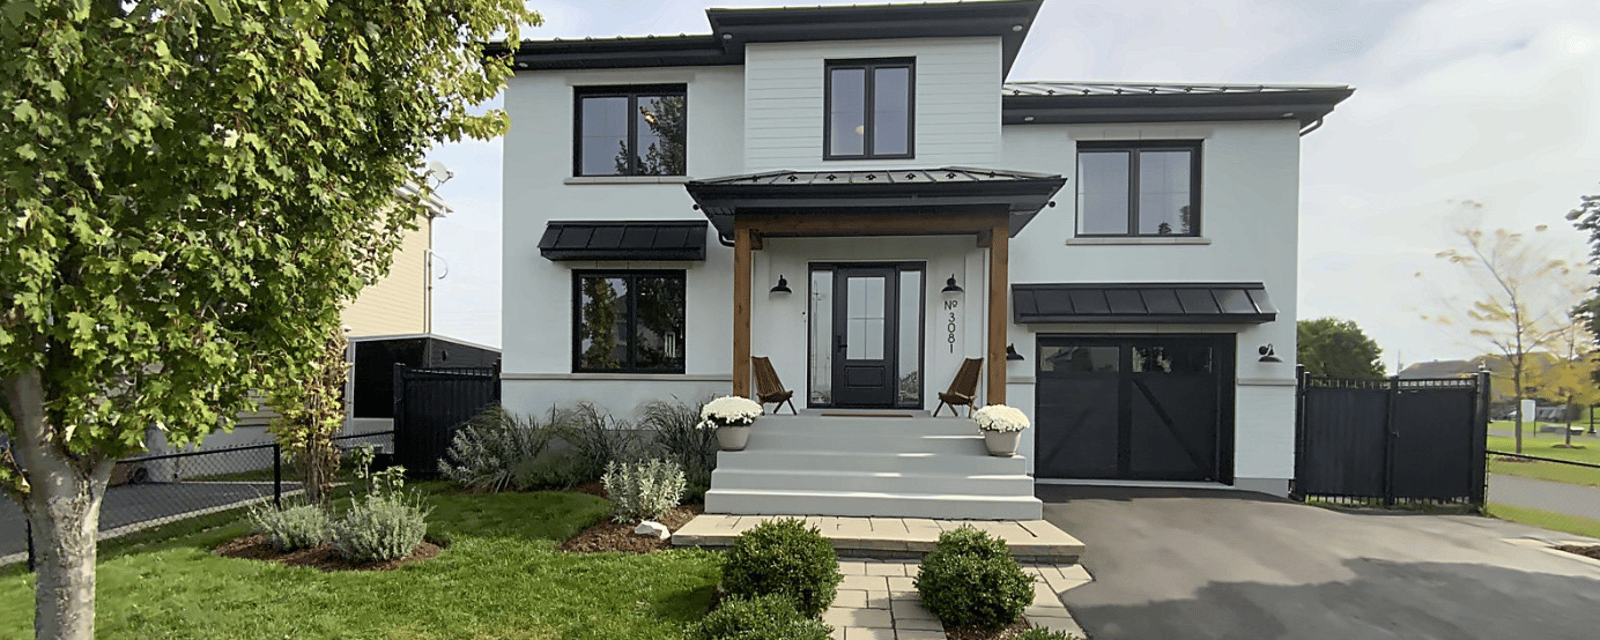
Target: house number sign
[950, 322]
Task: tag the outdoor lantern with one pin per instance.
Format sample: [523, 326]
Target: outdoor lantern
[1267, 354]
[950, 285]
[1011, 353]
[783, 286]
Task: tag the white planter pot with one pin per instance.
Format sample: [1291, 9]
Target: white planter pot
[1002, 443]
[733, 438]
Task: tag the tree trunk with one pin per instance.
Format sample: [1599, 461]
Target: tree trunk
[63, 505]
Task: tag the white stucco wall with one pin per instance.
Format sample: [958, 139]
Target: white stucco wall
[1249, 203]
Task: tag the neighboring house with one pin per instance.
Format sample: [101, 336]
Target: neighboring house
[861, 194]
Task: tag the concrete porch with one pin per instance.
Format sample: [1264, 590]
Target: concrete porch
[1029, 540]
[884, 464]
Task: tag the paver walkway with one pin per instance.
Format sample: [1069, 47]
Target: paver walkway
[1556, 497]
[1034, 540]
[878, 601]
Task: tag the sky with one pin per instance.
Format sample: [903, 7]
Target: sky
[1490, 101]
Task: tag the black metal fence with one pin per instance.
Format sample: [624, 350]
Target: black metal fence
[430, 404]
[1392, 441]
[150, 490]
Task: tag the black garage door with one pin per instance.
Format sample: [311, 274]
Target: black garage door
[1135, 408]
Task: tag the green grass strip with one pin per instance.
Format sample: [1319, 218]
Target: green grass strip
[1546, 519]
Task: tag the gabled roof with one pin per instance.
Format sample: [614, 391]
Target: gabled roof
[1051, 102]
[732, 29]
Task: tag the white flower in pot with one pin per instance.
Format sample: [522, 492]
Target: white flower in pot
[731, 416]
[1002, 428]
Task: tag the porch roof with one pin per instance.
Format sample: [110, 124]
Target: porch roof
[1175, 302]
[872, 194]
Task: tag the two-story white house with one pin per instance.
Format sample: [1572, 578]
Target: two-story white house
[861, 195]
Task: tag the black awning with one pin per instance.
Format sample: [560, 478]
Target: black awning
[1182, 302]
[625, 240]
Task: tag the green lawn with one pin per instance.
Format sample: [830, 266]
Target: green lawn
[501, 577]
[1552, 471]
[1546, 519]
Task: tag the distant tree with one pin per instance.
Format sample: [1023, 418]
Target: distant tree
[1587, 219]
[1523, 290]
[1339, 349]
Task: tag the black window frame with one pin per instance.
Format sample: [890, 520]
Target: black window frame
[632, 315]
[870, 67]
[1134, 149]
[632, 93]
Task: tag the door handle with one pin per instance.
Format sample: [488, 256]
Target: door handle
[838, 342]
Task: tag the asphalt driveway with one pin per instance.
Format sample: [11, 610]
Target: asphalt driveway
[133, 504]
[1197, 564]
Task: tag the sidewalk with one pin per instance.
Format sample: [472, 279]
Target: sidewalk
[1557, 497]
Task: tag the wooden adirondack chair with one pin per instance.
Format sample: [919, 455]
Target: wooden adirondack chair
[964, 389]
[769, 388]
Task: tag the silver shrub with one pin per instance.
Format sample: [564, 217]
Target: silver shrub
[643, 490]
[292, 528]
[380, 528]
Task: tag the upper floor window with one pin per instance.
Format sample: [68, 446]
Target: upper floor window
[1138, 189]
[630, 131]
[869, 109]
[628, 321]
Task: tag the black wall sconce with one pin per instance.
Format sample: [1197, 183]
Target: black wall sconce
[1267, 355]
[1011, 353]
[783, 286]
[950, 285]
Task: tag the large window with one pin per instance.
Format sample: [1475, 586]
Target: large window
[627, 321]
[1139, 189]
[869, 109]
[630, 131]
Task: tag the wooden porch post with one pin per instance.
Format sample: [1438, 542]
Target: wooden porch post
[741, 312]
[999, 292]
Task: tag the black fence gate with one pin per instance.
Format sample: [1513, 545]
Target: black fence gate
[1391, 440]
[430, 404]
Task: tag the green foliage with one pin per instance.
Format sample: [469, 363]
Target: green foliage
[310, 412]
[191, 190]
[770, 617]
[1040, 633]
[380, 528]
[595, 440]
[1338, 349]
[643, 490]
[292, 528]
[784, 557]
[498, 450]
[971, 580]
[678, 434]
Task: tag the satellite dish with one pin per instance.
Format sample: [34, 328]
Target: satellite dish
[439, 172]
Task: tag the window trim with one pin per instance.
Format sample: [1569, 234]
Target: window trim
[1135, 148]
[870, 66]
[632, 93]
[632, 314]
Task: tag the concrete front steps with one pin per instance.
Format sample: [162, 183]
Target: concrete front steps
[916, 467]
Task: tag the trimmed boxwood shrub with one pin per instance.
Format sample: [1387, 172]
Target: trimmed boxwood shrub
[971, 580]
[786, 558]
[771, 617]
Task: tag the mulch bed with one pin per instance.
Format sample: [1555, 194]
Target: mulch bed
[256, 547]
[618, 536]
[1585, 551]
[975, 633]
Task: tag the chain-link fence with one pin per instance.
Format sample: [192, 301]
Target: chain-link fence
[150, 490]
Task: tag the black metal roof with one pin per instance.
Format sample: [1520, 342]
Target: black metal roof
[1022, 194]
[732, 29]
[624, 240]
[1102, 102]
[1184, 302]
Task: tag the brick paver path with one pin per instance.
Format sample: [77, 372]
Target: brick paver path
[877, 600]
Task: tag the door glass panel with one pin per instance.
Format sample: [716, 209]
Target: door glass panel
[864, 318]
[910, 337]
[1078, 359]
[821, 337]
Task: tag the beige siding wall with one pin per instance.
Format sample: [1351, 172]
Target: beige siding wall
[395, 305]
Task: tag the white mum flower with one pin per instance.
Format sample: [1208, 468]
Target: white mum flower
[731, 411]
[999, 417]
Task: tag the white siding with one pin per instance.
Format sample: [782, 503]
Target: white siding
[957, 108]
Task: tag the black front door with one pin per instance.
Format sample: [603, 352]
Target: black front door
[864, 336]
[1135, 408]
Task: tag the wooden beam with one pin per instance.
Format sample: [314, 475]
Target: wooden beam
[756, 242]
[999, 293]
[985, 238]
[830, 224]
[741, 312]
